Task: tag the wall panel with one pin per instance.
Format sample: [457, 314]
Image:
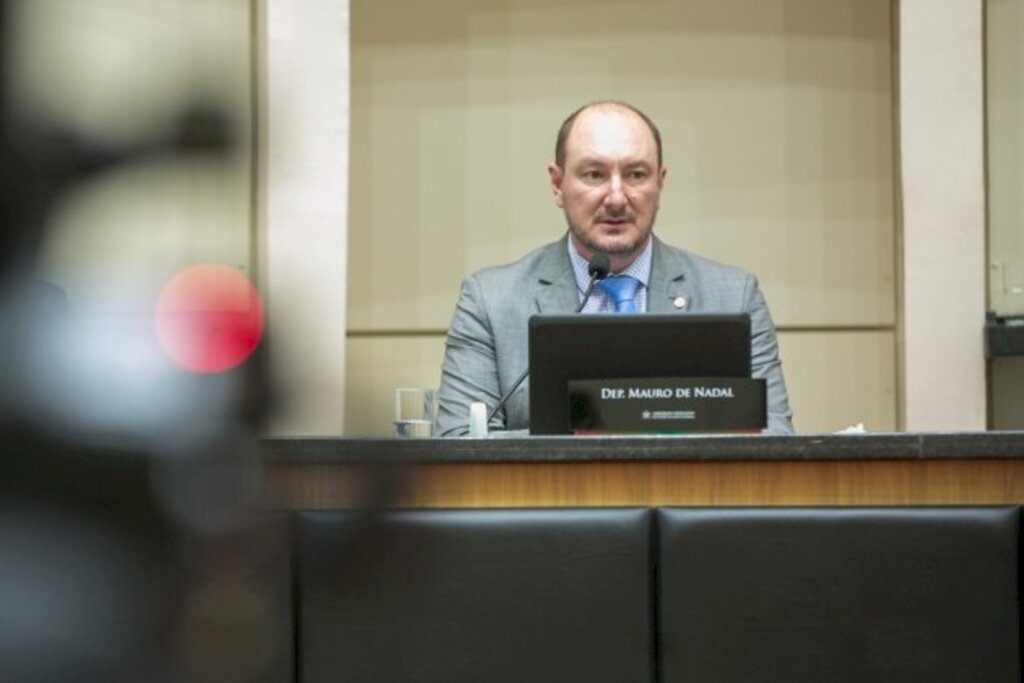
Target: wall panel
[840, 379]
[376, 366]
[776, 115]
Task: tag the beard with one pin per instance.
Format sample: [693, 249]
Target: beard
[619, 249]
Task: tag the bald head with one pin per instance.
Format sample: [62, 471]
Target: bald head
[567, 126]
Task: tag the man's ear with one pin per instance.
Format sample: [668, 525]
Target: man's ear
[556, 174]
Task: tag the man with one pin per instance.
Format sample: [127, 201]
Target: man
[607, 178]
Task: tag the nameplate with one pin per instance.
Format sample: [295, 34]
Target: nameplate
[667, 405]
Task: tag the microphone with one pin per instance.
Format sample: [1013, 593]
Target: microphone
[597, 268]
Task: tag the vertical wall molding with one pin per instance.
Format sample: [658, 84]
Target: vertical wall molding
[943, 190]
[303, 207]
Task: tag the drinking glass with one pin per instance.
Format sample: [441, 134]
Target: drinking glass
[413, 414]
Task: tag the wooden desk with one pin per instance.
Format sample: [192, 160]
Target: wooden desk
[882, 469]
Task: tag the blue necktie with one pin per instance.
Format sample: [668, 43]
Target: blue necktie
[622, 290]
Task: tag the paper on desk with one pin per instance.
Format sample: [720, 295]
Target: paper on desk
[853, 429]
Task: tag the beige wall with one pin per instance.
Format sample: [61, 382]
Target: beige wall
[119, 73]
[1004, 65]
[780, 138]
[1005, 108]
[777, 118]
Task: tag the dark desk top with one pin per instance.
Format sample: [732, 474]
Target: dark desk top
[895, 446]
[1004, 338]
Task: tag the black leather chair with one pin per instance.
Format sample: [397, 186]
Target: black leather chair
[477, 596]
[859, 595]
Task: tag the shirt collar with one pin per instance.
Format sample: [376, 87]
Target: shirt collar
[640, 268]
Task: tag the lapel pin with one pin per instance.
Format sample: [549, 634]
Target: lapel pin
[679, 302]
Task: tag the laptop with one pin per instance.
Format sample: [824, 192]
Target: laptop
[606, 346]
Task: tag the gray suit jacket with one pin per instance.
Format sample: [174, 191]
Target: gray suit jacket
[486, 349]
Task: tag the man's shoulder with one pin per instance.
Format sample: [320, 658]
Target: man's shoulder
[528, 266]
[694, 265]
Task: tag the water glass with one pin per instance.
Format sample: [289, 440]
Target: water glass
[413, 414]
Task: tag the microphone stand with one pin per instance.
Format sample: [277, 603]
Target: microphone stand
[598, 270]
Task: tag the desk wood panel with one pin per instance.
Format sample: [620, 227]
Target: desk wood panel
[589, 484]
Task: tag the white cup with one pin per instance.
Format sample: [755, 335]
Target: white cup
[413, 414]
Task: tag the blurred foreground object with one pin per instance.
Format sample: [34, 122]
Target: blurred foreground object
[209, 318]
[132, 549]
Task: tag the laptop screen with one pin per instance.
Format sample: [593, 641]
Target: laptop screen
[618, 346]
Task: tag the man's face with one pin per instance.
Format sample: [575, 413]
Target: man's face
[610, 185]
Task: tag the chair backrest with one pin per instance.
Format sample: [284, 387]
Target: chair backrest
[895, 594]
[483, 595]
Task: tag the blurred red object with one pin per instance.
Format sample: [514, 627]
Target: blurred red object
[209, 318]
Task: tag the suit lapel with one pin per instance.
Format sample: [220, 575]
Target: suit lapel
[555, 288]
[669, 285]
